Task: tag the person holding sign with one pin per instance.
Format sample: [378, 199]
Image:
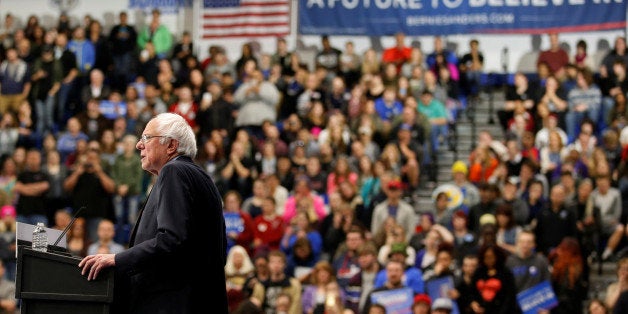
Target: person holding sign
[394, 295]
[528, 267]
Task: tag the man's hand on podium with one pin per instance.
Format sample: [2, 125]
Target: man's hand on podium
[93, 264]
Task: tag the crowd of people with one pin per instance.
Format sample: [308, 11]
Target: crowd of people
[317, 165]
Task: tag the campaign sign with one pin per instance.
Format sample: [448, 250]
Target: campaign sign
[233, 223]
[539, 297]
[439, 288]
[448, 17]
[397, 301]
[112, 110]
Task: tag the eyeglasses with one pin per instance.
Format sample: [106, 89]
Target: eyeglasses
[145, 137]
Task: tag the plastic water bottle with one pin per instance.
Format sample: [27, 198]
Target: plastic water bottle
[40, 238]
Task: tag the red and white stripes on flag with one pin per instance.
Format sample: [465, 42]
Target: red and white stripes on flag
[245, 18]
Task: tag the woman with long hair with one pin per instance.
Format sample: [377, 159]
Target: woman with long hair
[337, 134]
[493, 283]
[243, 137]
[247, 54]
[340, 173]
[568, 276]
[551, 156]
[371, 64]
[109, 147]
[507, 229]
[316, 118]
[212, 159]
[483, 164]
[320, 288]
[391, 159]
[31, 24]
[368, 181]
[77, 238]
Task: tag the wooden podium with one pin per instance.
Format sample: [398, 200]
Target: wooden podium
[52, 283]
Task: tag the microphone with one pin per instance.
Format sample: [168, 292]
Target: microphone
[67, 228]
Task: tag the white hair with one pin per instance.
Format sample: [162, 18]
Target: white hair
[247, 265]
[173, 126]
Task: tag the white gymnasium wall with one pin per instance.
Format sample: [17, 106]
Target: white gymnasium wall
[107, 11]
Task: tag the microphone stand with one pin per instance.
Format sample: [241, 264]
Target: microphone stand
[67, 228]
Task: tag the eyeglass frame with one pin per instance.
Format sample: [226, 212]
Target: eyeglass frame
[145, 137]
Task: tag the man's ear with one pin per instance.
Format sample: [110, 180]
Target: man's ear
[173, 146]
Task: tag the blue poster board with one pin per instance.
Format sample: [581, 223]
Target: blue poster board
[233, 223]
[439, 288]
[397, 301]
[539, 297]
[112, 110]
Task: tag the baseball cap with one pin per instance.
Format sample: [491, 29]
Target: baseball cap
[398, 248]
[395, 185]
[442, 304]
[422, 298]
[459, 166]
[513, 180]
[487, 219]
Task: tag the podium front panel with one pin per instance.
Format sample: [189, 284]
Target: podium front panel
[63, 307]
[47, 280]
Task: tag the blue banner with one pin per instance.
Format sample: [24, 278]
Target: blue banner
[448, 17]
[539, 297]
[165, 6]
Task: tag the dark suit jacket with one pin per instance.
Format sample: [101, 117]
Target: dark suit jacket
[177, 250]
[86, 94]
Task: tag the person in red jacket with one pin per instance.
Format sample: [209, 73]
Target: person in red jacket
[268, 227]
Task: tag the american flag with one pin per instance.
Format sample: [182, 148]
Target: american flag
[245, 18]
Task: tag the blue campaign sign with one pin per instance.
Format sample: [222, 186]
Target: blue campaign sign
[397, 301]
[539, 297]
[112, 110]
[233, 222]
[447, 17]
[439, 288]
